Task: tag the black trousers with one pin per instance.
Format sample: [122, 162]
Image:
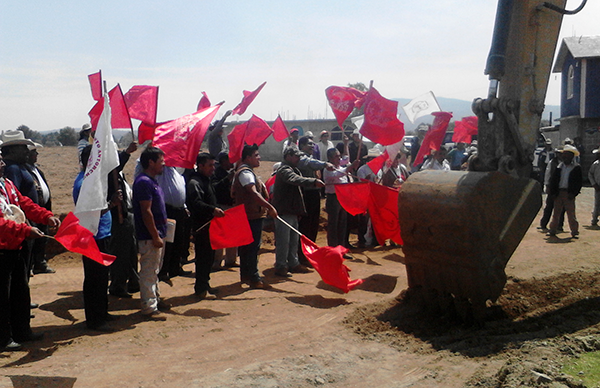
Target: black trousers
[178, 250]
[124, 246]
[15, 301]
[308, 225]
[95, 285]
[205, 256]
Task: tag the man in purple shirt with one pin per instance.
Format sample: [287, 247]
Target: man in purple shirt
[150, 216]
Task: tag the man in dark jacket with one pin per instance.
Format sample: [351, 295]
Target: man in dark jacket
[202, 203]
[565, 185]
[289, 202]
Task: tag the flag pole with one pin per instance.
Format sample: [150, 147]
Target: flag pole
[203, 226]
[289, 226]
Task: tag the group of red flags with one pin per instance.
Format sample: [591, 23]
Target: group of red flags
[181, 140]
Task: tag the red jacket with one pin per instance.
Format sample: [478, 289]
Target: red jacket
[12, 234]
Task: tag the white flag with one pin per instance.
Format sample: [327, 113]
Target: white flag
[103, 159]
[421, 106]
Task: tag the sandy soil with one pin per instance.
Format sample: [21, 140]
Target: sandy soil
[304, 333]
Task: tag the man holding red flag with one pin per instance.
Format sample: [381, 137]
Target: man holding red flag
[289, 202]
[15, 300]
[248, 189]
[201, 200]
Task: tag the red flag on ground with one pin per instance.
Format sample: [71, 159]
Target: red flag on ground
[377, 164]
[119, 116]
[96, 85]
[280, 131]
[434, 137]
[342, 101]
[78, 239]
[142, 103]
[383, 210]
[253, 131]
[381, 124]
[180, 139]
[354, 197]
[465, 129]
[247, 100]
[329, 263]
[204, 102]
[220, 229]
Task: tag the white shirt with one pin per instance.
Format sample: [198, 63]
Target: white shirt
[323, 149]
[332, 178]
[594, 173]
[564, 175]
[433, 164]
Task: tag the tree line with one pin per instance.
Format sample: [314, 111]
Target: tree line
[66, 136]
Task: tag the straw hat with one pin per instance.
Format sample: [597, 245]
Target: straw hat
[14, 137]
[570, 148]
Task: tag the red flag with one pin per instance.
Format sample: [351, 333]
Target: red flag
[78, 239]
[377, 164]
[220, 229]
[354, 197]
[342, 101]
[434, 137]
[96, 85]
[204, 102]
[465, 129]
[247, 100]
[119, 115]
[280, 131]
[383, 210]
[381, 124]
[258, 131]
[329, 263]
[142, 103]
[180, 139]
[253, 131]
[146, 131]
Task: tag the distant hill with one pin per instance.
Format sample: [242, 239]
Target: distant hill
[459, 109]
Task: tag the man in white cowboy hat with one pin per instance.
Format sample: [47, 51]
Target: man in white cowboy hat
[15, 152]
[565, 184]
[594, 177]
[15, 300]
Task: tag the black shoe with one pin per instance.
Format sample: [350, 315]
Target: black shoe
[165, 279]
[111, 317]
[121, 294]
[283, 273]
[30, 338]
[104, 328]
[12, 346]
[200, 295]
[163, 306]
[213, 291]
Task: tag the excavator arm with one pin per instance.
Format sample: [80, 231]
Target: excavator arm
[460, 228]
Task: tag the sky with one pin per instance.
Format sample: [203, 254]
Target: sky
[406, 48]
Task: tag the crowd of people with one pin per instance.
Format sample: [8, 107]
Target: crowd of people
[149, 225]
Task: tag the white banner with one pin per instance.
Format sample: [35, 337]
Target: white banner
[421, 106]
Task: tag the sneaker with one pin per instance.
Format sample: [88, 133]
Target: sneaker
[45, 269]
[12, 346]
[300, 269]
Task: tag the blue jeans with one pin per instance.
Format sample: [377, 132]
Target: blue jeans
[286, 250]
[249, 253]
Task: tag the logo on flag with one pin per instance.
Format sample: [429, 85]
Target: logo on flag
[421, 106]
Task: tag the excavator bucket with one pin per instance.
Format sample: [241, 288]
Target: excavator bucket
[461, 228]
